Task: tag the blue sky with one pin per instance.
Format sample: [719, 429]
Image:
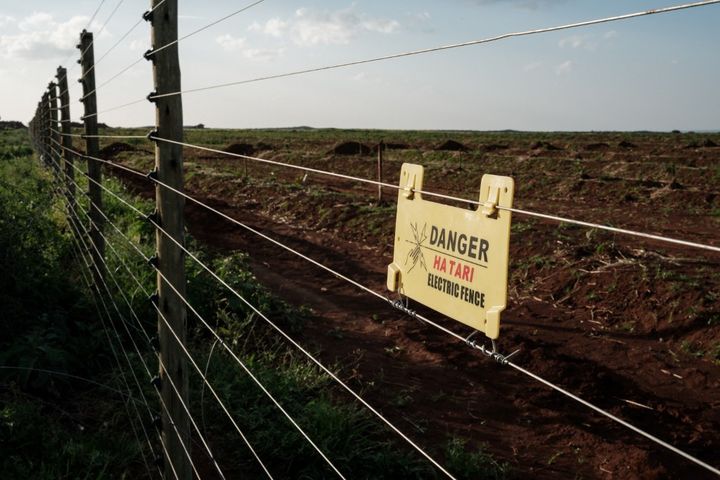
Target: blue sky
[657, 73]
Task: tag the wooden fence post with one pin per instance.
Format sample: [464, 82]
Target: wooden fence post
[92, 149]
[44, 121]
[67, 142]
[171, 258]
[381, 149]
[53, 128]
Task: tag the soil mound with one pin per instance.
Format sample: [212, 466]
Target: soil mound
[350, 148]
[541, 145]
[451, 146]
[494, 147]
[114, 148]
[626, 144]
[240, 149]
[262, 146]
[594, 147]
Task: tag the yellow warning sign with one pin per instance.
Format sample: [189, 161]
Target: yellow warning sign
[451, 259]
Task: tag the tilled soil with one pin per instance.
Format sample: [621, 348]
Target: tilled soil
[631, 325]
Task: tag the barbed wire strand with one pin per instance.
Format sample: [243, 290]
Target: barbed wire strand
[447, 47]
[192, 360]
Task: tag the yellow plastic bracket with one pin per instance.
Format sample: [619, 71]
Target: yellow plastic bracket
[451, 259]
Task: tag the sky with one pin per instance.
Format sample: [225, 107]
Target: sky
[658, 72]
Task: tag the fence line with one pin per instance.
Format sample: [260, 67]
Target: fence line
[94, 288]
[129, 362]
[187, 353]
[45, 134]
[502, 359]
[278, 329]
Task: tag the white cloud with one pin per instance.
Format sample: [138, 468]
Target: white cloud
[532, 66]
[262, 54]
[309, 27]
[523, 4]
[40, 36]
[230, 43]
[274, 27]
[6, 20]
[564, 68]
[574, 41]
[611, 34]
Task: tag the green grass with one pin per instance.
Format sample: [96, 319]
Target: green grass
[55, 427]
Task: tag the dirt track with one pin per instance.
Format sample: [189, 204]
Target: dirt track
[625, 324]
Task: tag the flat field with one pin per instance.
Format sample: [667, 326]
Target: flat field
[630, 324]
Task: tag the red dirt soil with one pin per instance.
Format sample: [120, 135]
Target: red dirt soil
[621, 322]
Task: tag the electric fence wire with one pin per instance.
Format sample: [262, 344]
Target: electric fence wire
[450, 197]
[78, 237]
[304, 351]
[435, 49]
[186, 352]
[79, 254]
[204, 442]
[88, 285]
[500, 358]
[660, 442]
[102, 29]
[82, 135]
[91, 266]
[195, 32]
[139, 323]
[151, 52]
[529, 213]
[290, 339]
[117, 43]
[89, 23]
[113, 77]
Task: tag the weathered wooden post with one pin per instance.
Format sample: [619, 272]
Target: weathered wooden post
[67, 143]
[45, 124]
[53, 128]
[171, 258]
[381, 149]
[92, 149]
